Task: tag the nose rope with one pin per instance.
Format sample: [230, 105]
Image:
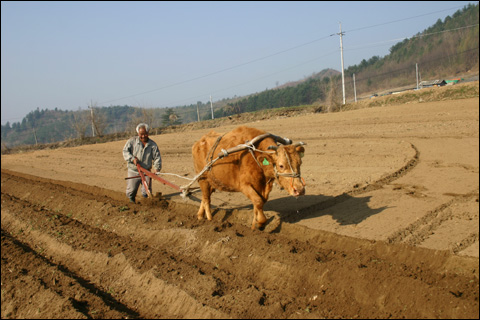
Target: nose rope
[292, 174]
[301, 180]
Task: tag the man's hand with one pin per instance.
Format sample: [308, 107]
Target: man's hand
[135, 161]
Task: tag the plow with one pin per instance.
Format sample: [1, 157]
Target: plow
[185, 189]
[142, 172]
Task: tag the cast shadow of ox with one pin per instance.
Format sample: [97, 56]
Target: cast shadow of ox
[344, 208]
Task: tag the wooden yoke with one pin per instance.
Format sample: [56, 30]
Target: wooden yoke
[224, 153]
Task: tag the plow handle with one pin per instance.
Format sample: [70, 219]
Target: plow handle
[142, 171]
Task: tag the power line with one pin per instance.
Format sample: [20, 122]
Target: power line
[12, 118]
[309, 61]
[263, 77]
[222, 70]
[269, 56]
[404, 19]
[280, 52]
[349, 82]
[413, 37]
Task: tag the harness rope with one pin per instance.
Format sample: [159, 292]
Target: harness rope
[224, 153]
[292, 175]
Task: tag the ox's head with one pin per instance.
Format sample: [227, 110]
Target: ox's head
[284, 166]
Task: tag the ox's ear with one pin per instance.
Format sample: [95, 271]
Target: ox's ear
[300, 150]
[266, 161]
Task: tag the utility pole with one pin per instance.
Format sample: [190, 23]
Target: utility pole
[211, 105]
[416, 71]
[198, 113]
[341, 55]
[91, 116]
[35, 135]
[354, 88]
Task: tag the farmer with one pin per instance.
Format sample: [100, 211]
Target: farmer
[144, 151]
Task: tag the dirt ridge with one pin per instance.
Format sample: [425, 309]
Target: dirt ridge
[107, 258]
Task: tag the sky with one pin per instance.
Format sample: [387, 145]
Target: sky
[155, 54]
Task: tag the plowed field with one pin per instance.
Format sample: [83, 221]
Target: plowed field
[388, 227]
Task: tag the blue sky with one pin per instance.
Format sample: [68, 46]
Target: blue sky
[68, 55]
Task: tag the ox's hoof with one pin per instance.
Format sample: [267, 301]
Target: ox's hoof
[258, 226]
[273, 225]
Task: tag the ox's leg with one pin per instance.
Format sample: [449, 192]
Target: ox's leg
[201, 212]
[205, 204]
[258, 201]
[258, 217]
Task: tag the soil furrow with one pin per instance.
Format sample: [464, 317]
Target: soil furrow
[75, 294]
[155, 260]
[418, 231]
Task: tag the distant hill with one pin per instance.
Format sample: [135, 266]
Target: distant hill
[325, 73]
[446, 49]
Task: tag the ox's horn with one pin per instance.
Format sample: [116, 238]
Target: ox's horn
[281, 140]
[272, 148]
[300, 144]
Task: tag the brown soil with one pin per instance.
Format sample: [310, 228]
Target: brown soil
[388, 229]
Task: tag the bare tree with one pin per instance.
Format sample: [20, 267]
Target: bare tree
[333, 100]
[99, 121]
[132, 124]
[5, 149]
[80, 121]
[147, 117]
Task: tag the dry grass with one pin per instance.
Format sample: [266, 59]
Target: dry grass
[451, 92]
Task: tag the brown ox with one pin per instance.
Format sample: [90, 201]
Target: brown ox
[250, 171]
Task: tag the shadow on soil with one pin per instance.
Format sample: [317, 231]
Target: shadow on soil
[344, 208]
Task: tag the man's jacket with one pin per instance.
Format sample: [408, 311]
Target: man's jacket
[148, 155]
